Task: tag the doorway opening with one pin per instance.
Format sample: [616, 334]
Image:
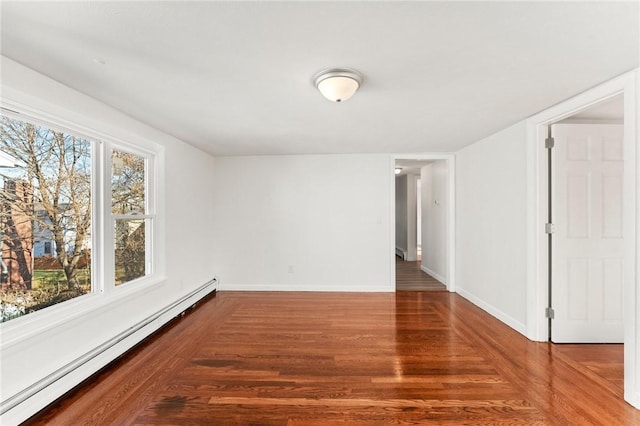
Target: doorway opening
[586, 238]
[422, 242]
[597, 202]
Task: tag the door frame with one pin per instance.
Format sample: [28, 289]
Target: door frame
[537, 181]
[451, 236]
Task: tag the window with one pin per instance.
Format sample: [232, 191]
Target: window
[51, 214]
[130, 211]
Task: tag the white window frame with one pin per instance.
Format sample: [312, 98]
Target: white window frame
[149, 216]
[103, 288]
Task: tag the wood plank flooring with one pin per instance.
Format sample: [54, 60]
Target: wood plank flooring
[409, 276]
[251, 358]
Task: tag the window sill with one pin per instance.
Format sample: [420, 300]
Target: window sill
[26, 327]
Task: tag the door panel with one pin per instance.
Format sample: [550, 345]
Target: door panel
[587, 245]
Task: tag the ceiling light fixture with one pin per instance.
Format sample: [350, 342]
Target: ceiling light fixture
[398, 170]
[338, 84]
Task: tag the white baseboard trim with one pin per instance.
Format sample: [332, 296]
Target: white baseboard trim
[28, 402]
[354, 288]
[633, 400]
[435, 275]
[508, 320]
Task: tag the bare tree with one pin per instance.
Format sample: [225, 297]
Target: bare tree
[58, 167]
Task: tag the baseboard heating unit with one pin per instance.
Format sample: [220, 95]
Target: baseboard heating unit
[163, 316]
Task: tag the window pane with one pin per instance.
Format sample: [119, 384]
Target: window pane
[45, 217]
[127, 183]
[130, 249]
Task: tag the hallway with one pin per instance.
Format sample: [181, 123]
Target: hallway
[409, 276]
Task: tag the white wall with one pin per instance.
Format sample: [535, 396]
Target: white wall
[83, 324]
[407, 215]
[435, 190]
[401, 213]
[315, 222]
[412, 218]
[419, 212]
[491, 224]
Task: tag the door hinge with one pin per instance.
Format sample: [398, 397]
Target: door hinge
[549, 313]
[549, 143]
[549, 228]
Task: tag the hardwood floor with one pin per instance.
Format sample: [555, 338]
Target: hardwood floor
[409, 276]
[348, 358]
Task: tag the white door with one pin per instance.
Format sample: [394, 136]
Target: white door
[587, 242]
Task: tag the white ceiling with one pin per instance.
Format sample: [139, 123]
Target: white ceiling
[234, 78]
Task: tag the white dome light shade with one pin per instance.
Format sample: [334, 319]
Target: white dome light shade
[338, 85]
